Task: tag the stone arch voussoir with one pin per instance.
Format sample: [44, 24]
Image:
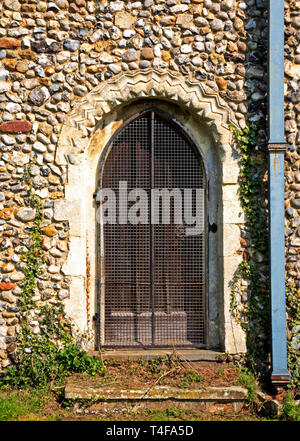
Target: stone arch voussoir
[172, 86]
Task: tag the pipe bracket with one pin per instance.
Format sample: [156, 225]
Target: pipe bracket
[277, 147]
[280, 380]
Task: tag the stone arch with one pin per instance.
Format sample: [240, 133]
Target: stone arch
[129, 86]
[82, 131]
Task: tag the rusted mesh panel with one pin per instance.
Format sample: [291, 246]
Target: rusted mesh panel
[154, 275]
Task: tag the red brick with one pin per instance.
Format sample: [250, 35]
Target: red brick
[6, 213]
[147, 53]
[221, 82]
[9, 43]
[16, 126]
[50, 231]
[5, 286]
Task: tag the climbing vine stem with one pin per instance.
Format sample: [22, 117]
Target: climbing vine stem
[253, 314]
[32, 257]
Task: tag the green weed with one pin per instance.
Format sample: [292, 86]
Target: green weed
[247, 379]
[219, 372]
[47, 363]
[156, 365]
[15, 405]
[190, 377]
[290, 410]
[170, 413]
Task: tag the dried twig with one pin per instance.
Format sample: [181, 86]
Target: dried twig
[182, 359]
[153, 384]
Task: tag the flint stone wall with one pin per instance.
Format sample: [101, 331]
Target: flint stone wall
[54, 54]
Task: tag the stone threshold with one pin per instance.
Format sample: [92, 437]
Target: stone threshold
[156, 393]
[183, 354]
[115, 398]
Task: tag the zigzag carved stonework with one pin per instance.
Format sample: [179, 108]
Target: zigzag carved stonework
[126, 87]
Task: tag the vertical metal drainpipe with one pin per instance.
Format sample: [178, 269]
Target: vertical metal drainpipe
[276, 148]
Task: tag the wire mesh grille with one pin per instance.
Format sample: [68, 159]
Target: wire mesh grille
[153, 279]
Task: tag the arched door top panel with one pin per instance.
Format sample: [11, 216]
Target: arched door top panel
[154, 272]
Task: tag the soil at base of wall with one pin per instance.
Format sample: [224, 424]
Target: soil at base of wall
[144, 374]
[164, 371]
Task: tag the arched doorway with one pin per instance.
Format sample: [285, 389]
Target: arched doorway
[86, 136]
[154, 266]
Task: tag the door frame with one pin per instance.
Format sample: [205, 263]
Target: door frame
[100, 315]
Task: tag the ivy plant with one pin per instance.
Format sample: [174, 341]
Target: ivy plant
[257, 309]
[52, 354]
